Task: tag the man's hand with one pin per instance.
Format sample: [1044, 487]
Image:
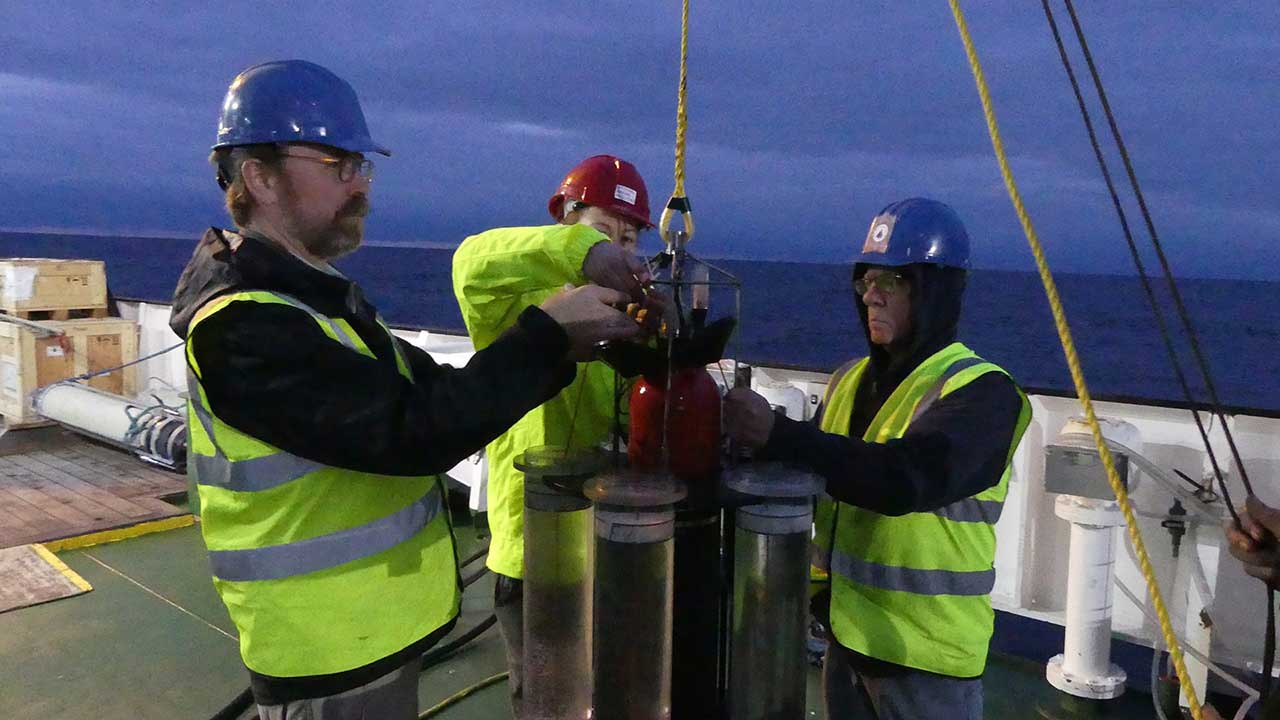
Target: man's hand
[1254, 543]
[588, 316]
[609, 265]
[748, 417]
[655, 310]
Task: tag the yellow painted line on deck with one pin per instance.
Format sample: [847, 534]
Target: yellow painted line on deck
[61, 567]
[125, 533]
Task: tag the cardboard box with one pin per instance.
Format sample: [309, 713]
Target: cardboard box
[40, 288]
[30, 360]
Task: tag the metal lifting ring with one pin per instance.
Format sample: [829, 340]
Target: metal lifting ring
[681, 205]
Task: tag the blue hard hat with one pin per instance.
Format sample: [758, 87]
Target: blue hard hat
[916, 230]
[293, 101]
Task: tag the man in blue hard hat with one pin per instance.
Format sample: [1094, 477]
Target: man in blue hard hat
[914, 442]
[315, 433]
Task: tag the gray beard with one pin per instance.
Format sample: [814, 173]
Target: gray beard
[340, 238]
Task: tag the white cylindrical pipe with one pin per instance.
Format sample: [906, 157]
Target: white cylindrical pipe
[156, 433]
[1087, 650]
[81, 406]
[1084, 668]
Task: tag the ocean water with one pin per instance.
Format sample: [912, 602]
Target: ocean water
[801, 315]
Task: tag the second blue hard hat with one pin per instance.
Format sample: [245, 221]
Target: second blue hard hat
[916, 230]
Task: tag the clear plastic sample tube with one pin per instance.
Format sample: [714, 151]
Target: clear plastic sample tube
[635, 530]
[770, 602]
[557, 586]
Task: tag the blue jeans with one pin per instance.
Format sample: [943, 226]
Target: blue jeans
[913, 695]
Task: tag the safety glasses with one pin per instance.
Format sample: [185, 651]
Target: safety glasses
[347, 167]
[888, 283]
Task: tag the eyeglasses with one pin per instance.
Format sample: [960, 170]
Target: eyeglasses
[347, 166]
[887, 283]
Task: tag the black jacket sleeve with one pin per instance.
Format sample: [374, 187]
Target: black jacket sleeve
[956, 449]
[271, 372]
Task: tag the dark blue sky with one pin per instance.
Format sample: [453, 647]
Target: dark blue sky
[804, 119]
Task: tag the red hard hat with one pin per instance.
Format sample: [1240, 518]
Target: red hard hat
[607, 182]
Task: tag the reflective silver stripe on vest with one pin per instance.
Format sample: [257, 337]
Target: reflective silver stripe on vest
[275, 562]
[343, 337]
[971, 510]
[935, 392]
[967, 509]
[920, 582]
[251, 475]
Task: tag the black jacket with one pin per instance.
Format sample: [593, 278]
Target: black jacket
[271, 372]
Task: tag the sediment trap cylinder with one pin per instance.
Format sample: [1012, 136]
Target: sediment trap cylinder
[634, 555]
[150, 431]
[767, 662]
[557, 603]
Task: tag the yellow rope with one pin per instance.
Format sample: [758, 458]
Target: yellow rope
[1073, 362]
[458, 697]
[682, 120]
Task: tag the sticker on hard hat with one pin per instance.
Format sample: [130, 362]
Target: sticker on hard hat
[879, 234]
[625, 194]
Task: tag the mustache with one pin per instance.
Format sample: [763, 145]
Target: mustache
[357, 206]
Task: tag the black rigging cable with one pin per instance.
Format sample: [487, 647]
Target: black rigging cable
[1155, 242]
[1137, 261]
[1269, 648]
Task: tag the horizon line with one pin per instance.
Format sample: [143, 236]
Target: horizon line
[439, 245]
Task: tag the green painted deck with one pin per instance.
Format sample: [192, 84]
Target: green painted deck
[152, 640]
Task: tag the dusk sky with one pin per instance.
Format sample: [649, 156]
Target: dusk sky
[804, 118]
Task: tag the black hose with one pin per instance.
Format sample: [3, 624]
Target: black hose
[236, 707]
[474, 556]
[473, 577]
[437, 655]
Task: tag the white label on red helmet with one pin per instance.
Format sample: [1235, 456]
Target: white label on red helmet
[625, 194]
[878, 236]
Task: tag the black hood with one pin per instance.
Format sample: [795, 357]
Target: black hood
[936, 294]
[225, 262]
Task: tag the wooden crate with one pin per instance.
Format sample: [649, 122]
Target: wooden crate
[38, 288]
[29, 361]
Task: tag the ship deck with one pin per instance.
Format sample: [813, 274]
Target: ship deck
[56, 485]
[152, 640]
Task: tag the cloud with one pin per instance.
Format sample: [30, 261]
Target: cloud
[533, 130]
[802, 122]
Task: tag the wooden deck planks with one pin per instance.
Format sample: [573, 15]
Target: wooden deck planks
[140, 478]
[76, 485]
[24, 512]
[48, 497]
[67, 486]
[103, 477]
